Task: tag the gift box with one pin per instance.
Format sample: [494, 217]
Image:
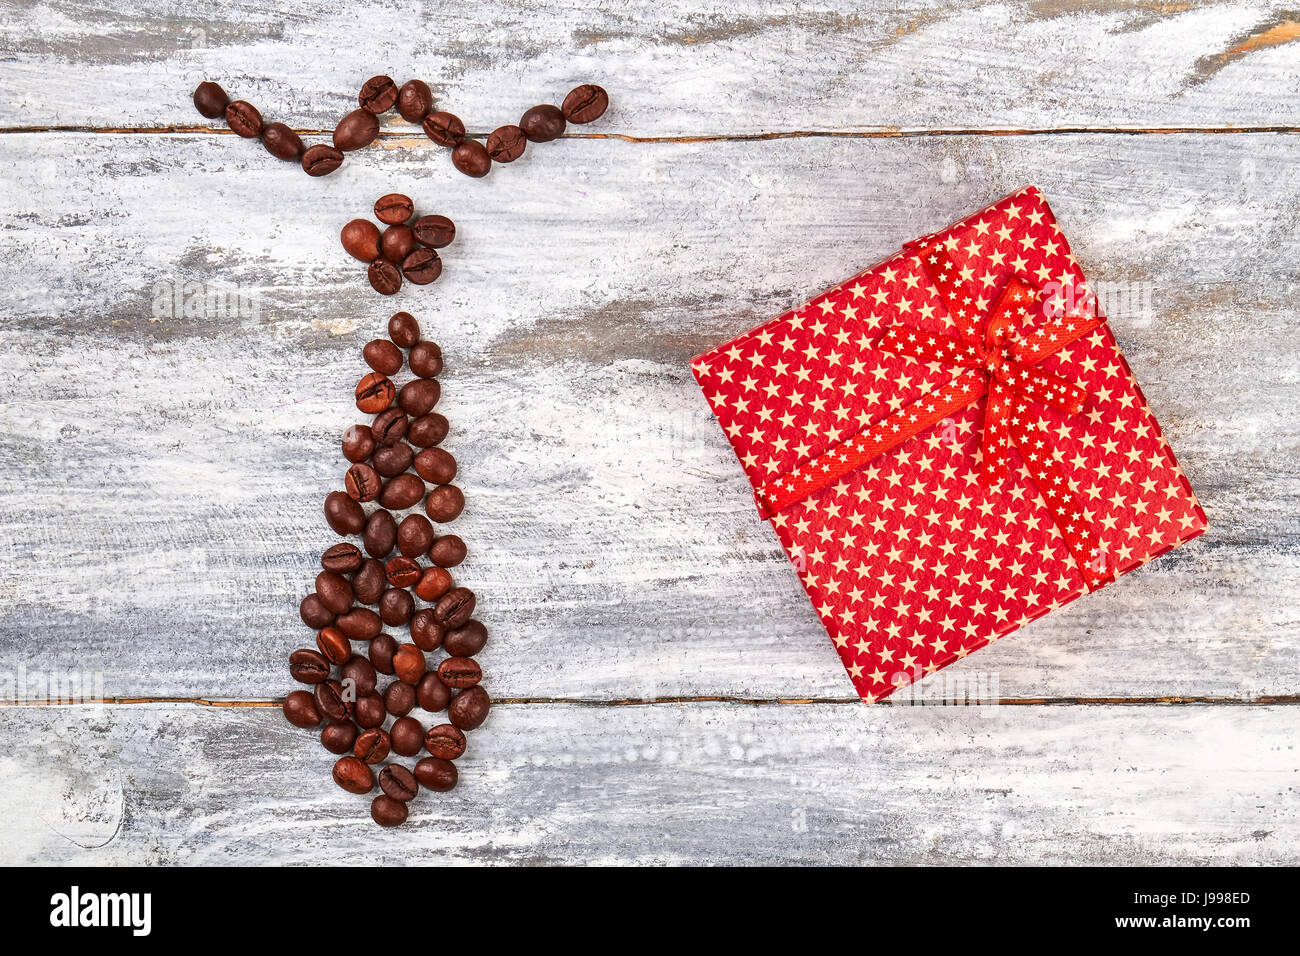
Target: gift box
[950, 444]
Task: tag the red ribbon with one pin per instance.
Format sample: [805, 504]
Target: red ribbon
[989, 357]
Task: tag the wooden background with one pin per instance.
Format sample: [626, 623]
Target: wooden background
[667, 694]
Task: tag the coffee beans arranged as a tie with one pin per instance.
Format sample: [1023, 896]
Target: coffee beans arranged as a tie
[401, 249]
[378, 697]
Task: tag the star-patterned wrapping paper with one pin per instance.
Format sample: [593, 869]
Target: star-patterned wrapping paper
[910, 559]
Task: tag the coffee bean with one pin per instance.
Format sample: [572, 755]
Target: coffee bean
[418, 396]
[334, 591]
[321, 160]
[380, 536]
[448, 551]
[459, 672]
[300, 709]
[314, 614]
[445, 741]
[393, 459]
[359, 128]
[407, 735]
[435, 465]
[425, 631]
[343, 514]
[389, 427]
[408, 663]
[467, 640]
[541, 124]
[427, 430]
[331, 701]
[433, 584]
[353, 775]
[378, 94]
[445, 503]
[358, 443]
[388, 812]
[403, 329]
[397, 243]
[472, 159]
[426, 359]
[414, 535]
[361, 673]
[402, 491]
[380, 354]
[414, 101]
[334, 645]
[444, 128]
[360, 624]
[402, 572]
[505, 144]
[585, 103]
[453, 609]
[384, 277]
[422, 266]
[342, 558]
[374, 393]
[362, 482]
[339, 736]
[369, 583]
[372, 745]
[436, 774]
[210, 99]
[398, 782]
[434, 231]
[469, 708]
[394, 209]
[282, 142]
[369, 711]
[396, 607]
[432, 694]
[382, 649]
[399, 698]
[244, 119]
[360, 238]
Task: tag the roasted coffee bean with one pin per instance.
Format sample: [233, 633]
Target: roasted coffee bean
[300, 709]
[389, 427]
[360, 239]
[402, 572]
[369, 711]
[314, 614]
[398, 782]
[334, 645]
[382, 649]
[344, 515]
[382, 355]
[414, 535]
[342, 558]
[361, 673]
[403, 329]
[358, 443]
[436, 774]
[585, 103]
[432, 694]
[331, 700]
[434, 231]
[459, 672]
[469, 708]
[362, 482]
[244, 119]
[472, 159]
[445, 503]
[541, 124]
[353, 775]
[426, 359]
[397, 243]
[444, 128]
[309, 667]
[399, 698]
[394, 209]
[396, 607]
[321, 160]
[372, 744]
[380, 536]
[393, 459]
[369, 583]
[385, 278]
[448, 551]
[467, 640]
[445, 741]
[402, 491]
[427, 430]
[282, 142]
[452, 610]
[425, 631]
[210, 99]
[378, 94]
[359, 128]
[414, 101]
[435, 465]
[418, 396]
[505, 144]
[388, 812]
[334, 591]
[408, 663]
[422, 266]
[339, 736]
[433, 584]
[360, 624]
[374, 393]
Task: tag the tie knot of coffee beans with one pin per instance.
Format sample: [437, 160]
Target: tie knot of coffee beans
[403, 248]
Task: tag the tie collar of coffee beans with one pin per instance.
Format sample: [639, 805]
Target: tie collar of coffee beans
[398, 576]
[402, 248]
[414, 101]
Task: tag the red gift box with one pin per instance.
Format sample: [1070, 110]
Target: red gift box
[950, 444]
